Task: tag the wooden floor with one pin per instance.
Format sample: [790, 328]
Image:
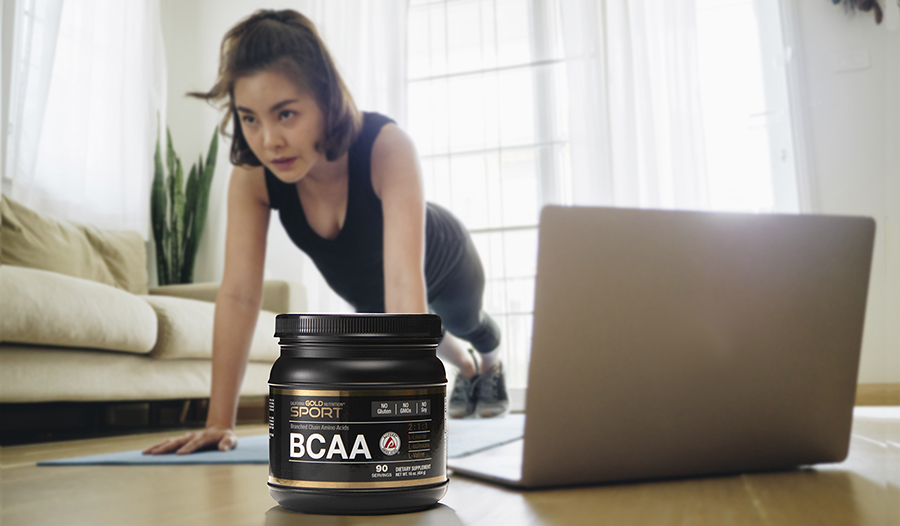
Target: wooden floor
[863, 490]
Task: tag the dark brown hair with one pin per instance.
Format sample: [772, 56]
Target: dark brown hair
[286, 42]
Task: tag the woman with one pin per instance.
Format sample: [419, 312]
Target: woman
[348, 189]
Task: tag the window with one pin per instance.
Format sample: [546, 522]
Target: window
[87, 83]
[484, 111]
[488, 110]
[749, 143]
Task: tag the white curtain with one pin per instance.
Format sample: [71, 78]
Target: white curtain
[83, 140]
[635, 113]
[367, 40]
[35, 24]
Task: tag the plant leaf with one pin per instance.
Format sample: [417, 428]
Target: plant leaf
[171, 251]
[170, 152]
[202, 203]
[206, 185]
[178, 207]
[158, 212]
[178, 227]
[190, 208]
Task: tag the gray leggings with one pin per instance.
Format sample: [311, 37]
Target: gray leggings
[459, 304]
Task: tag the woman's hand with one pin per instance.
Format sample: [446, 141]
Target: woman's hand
[222, 439]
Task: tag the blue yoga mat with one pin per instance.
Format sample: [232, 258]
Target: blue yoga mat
[464, 437]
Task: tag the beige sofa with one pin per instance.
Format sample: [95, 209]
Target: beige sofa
[79, 323]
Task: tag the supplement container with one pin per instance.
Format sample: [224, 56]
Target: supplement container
[357, 414]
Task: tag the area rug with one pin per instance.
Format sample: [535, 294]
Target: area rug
[464, 437]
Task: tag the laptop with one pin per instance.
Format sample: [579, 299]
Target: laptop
[678, 344]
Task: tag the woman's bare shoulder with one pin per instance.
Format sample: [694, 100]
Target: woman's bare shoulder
[394, 158]
[392, 139]
[249, 182]
[392, 146]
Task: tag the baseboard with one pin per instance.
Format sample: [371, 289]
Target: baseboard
[253, 410]
[517, 399]
[878, 394]
[28, 423]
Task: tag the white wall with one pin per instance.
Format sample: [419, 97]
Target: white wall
[7, 14]
[850, 93]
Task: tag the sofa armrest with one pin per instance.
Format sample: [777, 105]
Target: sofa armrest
[279, 296]
[193, 291]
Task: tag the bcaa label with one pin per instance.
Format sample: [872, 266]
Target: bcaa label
[314, 447]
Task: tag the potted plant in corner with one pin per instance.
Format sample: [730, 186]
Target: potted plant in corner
[178, 211]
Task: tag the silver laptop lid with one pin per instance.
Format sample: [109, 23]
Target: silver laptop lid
[685, 343]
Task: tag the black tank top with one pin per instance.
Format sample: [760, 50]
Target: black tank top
[353, 263]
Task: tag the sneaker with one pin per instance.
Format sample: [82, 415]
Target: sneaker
[490, 393]
[462, 400]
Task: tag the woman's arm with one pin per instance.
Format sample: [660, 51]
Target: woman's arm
[237, 309]
[397, 180]
[240, 295]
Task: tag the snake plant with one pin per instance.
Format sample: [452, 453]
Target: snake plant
[178, 211]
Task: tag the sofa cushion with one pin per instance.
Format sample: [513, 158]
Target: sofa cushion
[186, 330]
[45, 308]
[112, 257]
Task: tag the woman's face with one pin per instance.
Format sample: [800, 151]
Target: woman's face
[281, 123]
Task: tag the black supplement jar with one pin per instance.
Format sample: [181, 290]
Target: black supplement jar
[357, 414]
